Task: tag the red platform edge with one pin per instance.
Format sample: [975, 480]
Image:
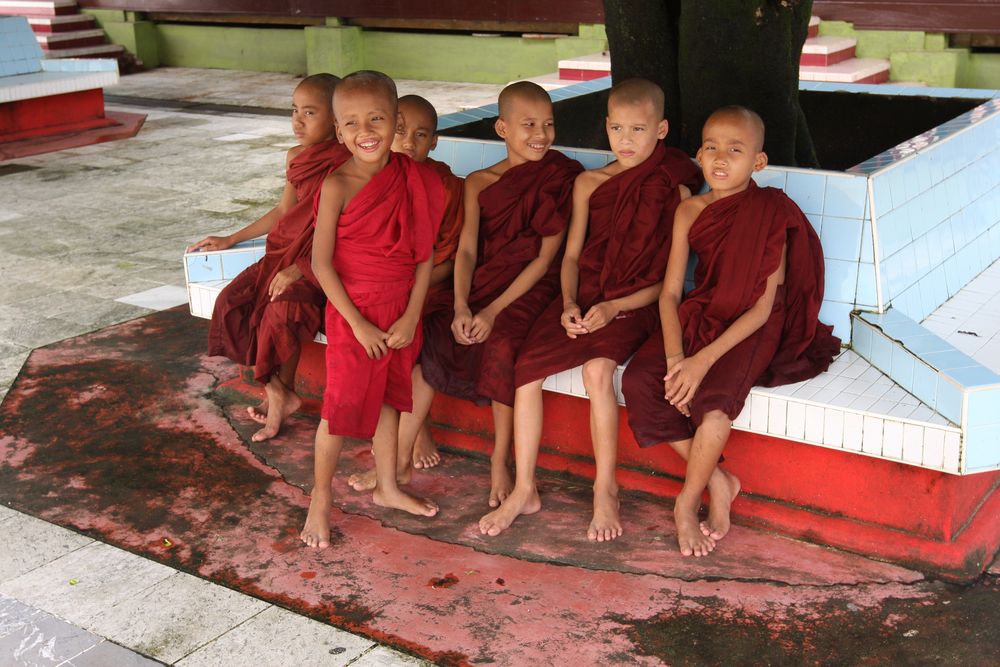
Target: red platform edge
[121, 125]
[943, 524]
[826, 59]
[569, 74]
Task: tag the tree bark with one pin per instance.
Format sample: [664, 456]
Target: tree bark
[710, 53]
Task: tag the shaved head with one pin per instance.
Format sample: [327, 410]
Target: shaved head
[636, 92]
[322, 83]
[421, 105]
[370, 81]
[735, 112]
[521, 90]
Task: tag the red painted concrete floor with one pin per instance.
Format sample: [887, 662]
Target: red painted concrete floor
[126, 125]
[123, 435]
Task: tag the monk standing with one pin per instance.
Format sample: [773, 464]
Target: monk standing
[515, 219]
[265, 314]
[616, 253]
[377, 218]
[752, 318]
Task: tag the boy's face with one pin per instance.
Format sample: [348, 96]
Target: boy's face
[415, 133]
[528, 129]
[633, 131]
[729, 154]
[366, 122]
[312, 115]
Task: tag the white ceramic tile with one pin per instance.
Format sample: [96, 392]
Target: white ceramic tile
[742, 420]
[776, 416]
[795, 425]
[871, 439]
[892, 439]
[913, 443]
[758, 413]
[933, 455]
[157, 298]
[952, 451]
[833, 427]
[853, 431]
[814, 424]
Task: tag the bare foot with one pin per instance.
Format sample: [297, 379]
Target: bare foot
[258, 413]
[403, 501]
[517, 503]
[365, 481]
[282, 402]
[722, 490]
[316, 532]
[689, 537]
[425, 451]
[606, 524]
[501, 483]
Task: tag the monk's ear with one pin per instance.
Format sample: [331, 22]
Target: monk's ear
[760, 161]
[434, 141]
[501, 128]
[697, 156]
[662, 129]
[336, 131]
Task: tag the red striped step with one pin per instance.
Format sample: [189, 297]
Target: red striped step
[585, 68]
[54, 24]
[825, 51]
[94, 51]
[70, 40]
[813, 26]
[37, 7]
[852, 70]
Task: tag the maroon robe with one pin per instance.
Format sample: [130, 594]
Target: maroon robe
[528, 202]
[247, 326]
[386, 230]
[738, 241]
[628, 242]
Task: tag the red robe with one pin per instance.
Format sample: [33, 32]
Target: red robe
[628, 242]
[528, 202]
[451, 220]
[384, 232]
[246, 325]
[738, 241]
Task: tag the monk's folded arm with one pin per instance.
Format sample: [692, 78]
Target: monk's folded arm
[529, 275]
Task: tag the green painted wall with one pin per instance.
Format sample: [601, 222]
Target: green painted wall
[983, 71]
[255, 49]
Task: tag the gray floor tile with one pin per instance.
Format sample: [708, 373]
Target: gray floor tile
[175, 617]
[104, 576]
[109, 654]
[29, 543]
[277, 637]
[45, 640]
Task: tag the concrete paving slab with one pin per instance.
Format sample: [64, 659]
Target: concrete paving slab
[30, 543]
[105, 576]
[175, 616]
[157, 298]
[107, 654]
[279, 637]
[383, 656]
[45, 640]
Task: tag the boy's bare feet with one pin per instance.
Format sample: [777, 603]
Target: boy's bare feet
[723, 488]
[258, 413]
[281, 403]
[400, 500]
[425, 451]
[690, 539]
[316, 532]
[606, 524]
[365, 481]
[517, 503]
[501, 483]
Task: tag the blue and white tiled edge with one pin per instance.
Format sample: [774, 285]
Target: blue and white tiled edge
[934, 200]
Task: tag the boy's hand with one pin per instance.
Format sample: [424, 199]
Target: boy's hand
[372, 339]
[570, 320]
[401, 332]
[212, 243]
[461, 326]
[598, 316]
[282, 279]
[683, 379]
[482, 325]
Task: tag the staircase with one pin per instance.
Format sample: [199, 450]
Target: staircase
[63, 32]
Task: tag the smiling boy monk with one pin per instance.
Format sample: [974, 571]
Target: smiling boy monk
[262, 317]
[515, 218]
[377, 218]
[616, 253]
[752, 318]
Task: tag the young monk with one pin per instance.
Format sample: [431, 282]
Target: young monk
[377, 217]
[416, 136]
[515, 219]
[752, 318]
[262, 317]
[616, 253]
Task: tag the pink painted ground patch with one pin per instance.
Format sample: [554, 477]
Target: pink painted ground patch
[157, 462]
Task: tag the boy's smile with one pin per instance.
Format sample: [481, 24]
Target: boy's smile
[528, 130]
[366, 122]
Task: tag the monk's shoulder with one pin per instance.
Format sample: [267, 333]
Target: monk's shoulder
[588, 181]
[293, 153]
[689, 209]
[479, 180]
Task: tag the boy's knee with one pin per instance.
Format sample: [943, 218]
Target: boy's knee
[598, 374]
[716, 417]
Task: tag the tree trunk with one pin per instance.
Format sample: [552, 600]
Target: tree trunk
[710, 53]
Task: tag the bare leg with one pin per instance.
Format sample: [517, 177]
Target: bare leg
[316, 532]
[425, 451]
[523, 499]
[423, 395]
[598, 378]
[723, 487]
[708, 442]
[281, 400]
[387, 492]
[503, 429]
